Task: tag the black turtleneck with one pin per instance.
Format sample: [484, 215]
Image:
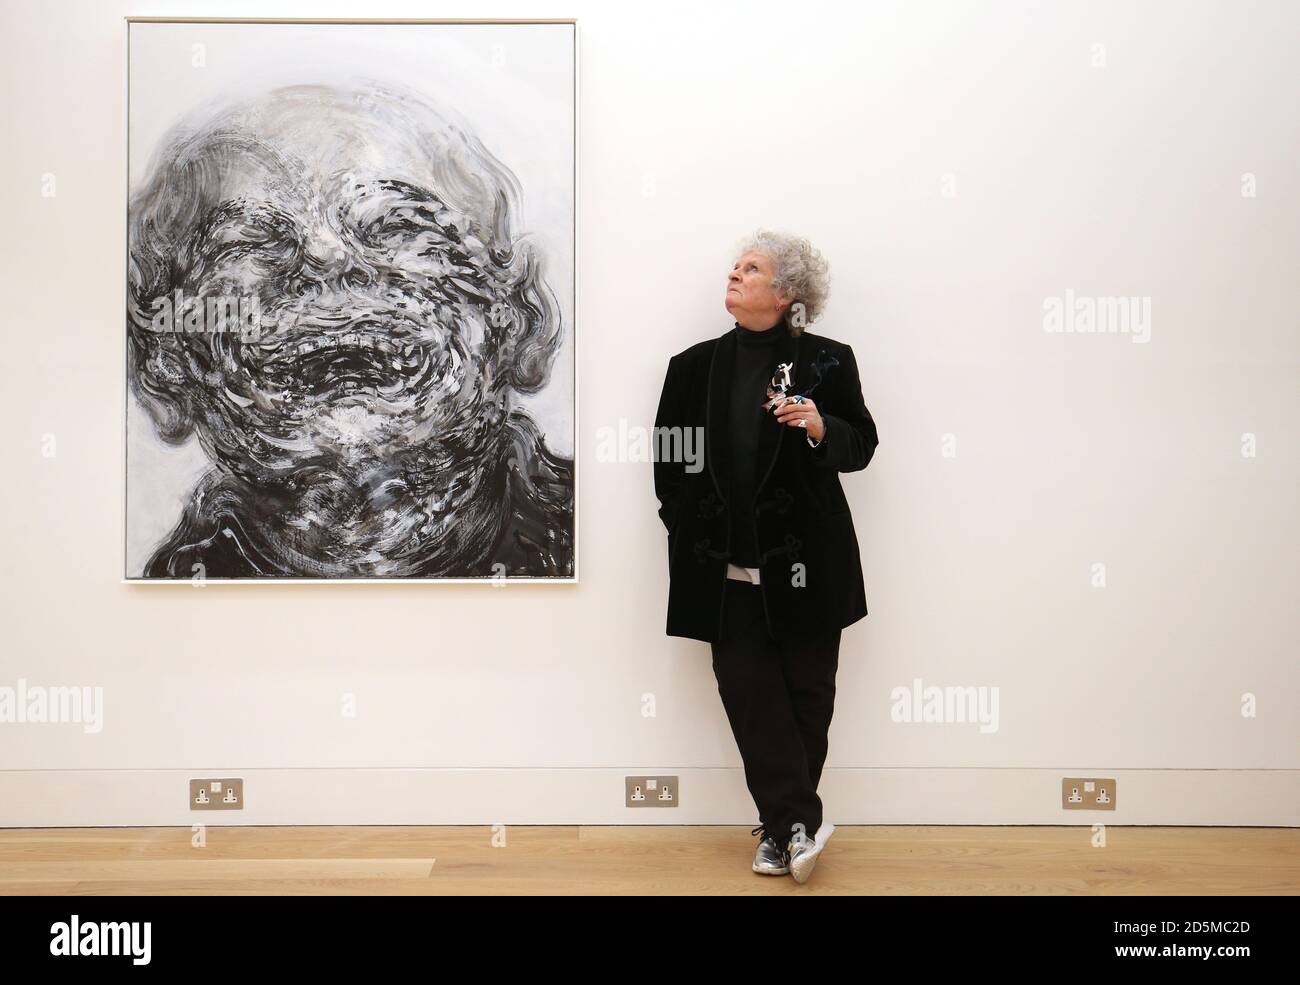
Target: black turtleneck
[755, 361]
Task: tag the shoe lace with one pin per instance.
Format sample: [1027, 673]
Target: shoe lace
[764, 834]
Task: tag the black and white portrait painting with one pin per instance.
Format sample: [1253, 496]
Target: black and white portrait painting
[350, 301]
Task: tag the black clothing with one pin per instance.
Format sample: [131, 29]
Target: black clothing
[806, 545]
[779, 699]
[752, 373]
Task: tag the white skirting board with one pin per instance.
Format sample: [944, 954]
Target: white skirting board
[416, 796]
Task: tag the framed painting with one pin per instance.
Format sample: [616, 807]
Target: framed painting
[350, 300]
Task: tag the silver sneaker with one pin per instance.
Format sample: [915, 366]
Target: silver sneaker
[803, 852]
[769, 860]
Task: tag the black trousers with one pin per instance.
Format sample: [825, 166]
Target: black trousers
[779, 698]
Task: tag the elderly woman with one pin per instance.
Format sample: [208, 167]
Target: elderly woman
[763, 558]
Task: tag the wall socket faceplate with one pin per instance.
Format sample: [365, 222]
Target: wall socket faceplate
[651, 791]
[217, 795]
[1087, 794]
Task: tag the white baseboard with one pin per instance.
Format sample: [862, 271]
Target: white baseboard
[368, 796]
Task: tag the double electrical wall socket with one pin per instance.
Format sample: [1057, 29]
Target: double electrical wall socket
[650, 791]
[217, 795]
[1087, 794]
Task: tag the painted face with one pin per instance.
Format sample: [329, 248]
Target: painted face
[384, 310]
[367, 423]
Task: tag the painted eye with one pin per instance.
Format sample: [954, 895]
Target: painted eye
[258, 238]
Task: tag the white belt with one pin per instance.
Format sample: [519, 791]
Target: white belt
[742, 574]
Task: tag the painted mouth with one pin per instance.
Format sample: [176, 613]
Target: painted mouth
[372, 358]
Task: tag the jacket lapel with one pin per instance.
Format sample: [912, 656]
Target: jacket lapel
[771, 434]
[721, 372]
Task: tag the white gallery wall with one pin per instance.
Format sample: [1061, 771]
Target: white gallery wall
[1098, 529]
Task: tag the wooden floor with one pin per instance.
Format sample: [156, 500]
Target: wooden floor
[644, 860]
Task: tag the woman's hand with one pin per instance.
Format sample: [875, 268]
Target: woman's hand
[802, 414]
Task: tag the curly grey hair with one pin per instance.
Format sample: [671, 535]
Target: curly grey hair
[801, 272]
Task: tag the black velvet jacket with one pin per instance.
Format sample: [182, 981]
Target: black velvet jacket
[811, 572]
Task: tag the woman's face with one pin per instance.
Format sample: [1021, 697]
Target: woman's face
[750, 296]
